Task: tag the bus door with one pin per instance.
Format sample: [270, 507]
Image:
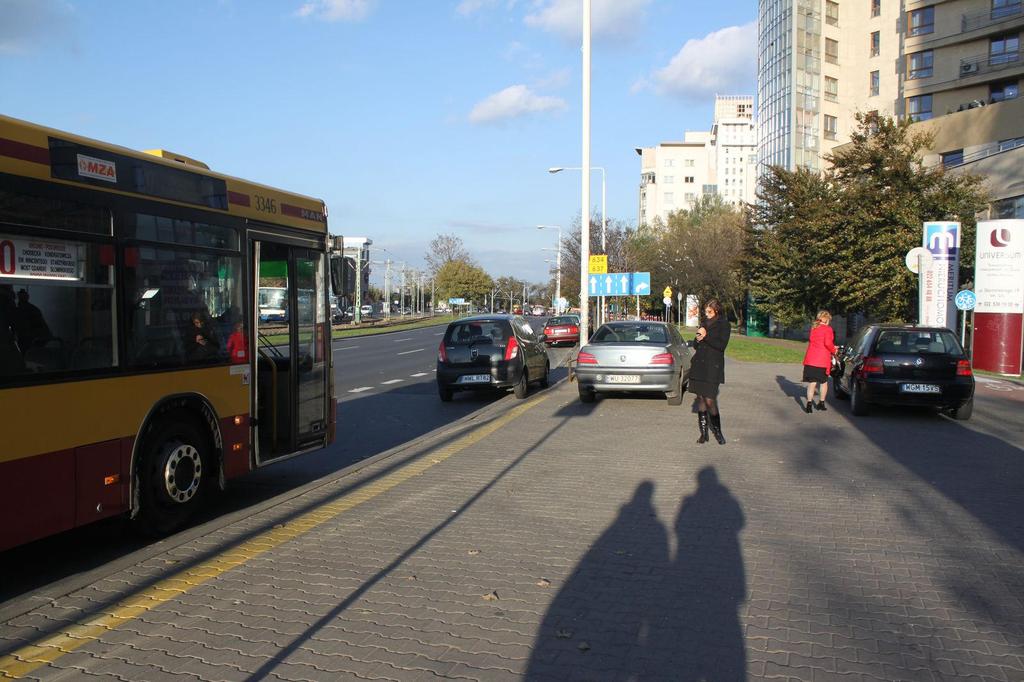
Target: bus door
[291, 342]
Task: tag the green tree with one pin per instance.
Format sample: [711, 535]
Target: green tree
[459, 279]
[838, 240]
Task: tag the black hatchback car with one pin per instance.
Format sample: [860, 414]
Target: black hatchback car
[488, 352]
[894, 365]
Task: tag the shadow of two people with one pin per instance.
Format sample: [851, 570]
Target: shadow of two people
[632, 611]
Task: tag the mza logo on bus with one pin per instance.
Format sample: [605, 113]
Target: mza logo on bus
[100, 169]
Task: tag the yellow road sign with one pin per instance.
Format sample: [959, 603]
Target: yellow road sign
[667, 293]
[599, 265]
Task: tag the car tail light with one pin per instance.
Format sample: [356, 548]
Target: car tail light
[547, 331]
[574, 329]
[662, 359]
[963, 368]
[512, 349]
[586, 359]
[442, 354]
[872, 365]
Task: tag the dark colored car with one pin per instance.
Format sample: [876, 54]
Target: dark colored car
[562, 329]
[634, 356]
[491, 352]
[914, 366]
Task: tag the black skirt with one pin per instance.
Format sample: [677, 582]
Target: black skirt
[707, 389]
[816, 375]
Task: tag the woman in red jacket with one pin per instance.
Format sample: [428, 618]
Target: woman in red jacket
[818, 359]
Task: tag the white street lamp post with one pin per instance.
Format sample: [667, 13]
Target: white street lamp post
[585, 203]
[604, 215]
[558, 280]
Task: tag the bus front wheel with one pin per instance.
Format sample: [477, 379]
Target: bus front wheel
[174, 472]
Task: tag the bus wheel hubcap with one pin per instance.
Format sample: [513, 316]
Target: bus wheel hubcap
[182, 473]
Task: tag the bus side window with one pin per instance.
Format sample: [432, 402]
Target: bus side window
[179, 302]
[59, 316]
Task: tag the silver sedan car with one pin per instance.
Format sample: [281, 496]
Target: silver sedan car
[634, 356]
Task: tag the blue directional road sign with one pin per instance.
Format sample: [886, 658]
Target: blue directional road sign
[620, 284]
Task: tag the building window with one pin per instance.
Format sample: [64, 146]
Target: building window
[831, 89]
[669, 198]
[831, 13]
[669, 163]
[688, 163]
[920, 107]
[831, 127]
[1012, 143]
[668, 179]
[953, 158]
[690, 196]
[831, 51]
[874, 83]
[922, 21]
[999, 92]
[876, 7]
[1005, 8]
[1004, 50]
[876, 43]
[1008, 208]
[688, 178]
[919, 65]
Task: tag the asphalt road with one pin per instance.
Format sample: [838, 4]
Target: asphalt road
[387, 397]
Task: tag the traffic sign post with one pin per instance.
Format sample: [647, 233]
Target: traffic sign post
[965, 302]
[620, 284]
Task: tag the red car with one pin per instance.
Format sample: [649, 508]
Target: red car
[562, 329]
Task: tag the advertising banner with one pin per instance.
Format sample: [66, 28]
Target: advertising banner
[999, 287]
[692, 311]
[999, 268]
[941, 281]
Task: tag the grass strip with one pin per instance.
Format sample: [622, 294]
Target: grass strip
[758, 348]
[368, 331]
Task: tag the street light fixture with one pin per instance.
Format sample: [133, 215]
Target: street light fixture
[558, 282]
[604, 214]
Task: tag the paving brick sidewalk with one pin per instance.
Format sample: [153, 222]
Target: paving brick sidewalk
[809, 547]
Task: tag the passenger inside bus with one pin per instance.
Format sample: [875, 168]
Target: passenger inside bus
[30, 324]
[11, 361]
[200, 340]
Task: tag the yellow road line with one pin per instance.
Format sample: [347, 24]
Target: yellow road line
[30, 657]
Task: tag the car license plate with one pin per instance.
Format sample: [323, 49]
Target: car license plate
[559, 331]
[623, 378]
[919, 388]
[475, 379]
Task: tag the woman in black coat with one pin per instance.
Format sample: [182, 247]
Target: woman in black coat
[707, 369]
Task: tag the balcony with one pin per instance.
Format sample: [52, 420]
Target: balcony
[990, 17]
[988, 63]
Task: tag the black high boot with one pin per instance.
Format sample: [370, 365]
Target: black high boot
[716, 428]
[702, 423]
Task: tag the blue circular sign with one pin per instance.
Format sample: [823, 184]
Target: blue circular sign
[966, 300]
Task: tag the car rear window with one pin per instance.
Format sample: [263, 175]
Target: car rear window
[478, 331]
[632, 333]
[564, 319]
[917, 342]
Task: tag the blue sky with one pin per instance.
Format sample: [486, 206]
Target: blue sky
[408, 117]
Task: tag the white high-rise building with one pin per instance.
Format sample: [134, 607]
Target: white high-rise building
[723, 161]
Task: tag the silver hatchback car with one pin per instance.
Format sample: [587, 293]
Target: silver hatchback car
[634, 356]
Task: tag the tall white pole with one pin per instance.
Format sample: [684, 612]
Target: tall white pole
[604, 245]
[585, 202]
[558, 282]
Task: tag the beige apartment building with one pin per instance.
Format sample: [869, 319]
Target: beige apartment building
[964, 68]
[673, 175]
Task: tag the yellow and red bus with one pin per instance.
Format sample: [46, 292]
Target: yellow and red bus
[136, 372]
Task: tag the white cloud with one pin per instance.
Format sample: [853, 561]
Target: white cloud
[722, 61]
[610, 19]
[512, 102]
[336, 10]
[26, 25]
